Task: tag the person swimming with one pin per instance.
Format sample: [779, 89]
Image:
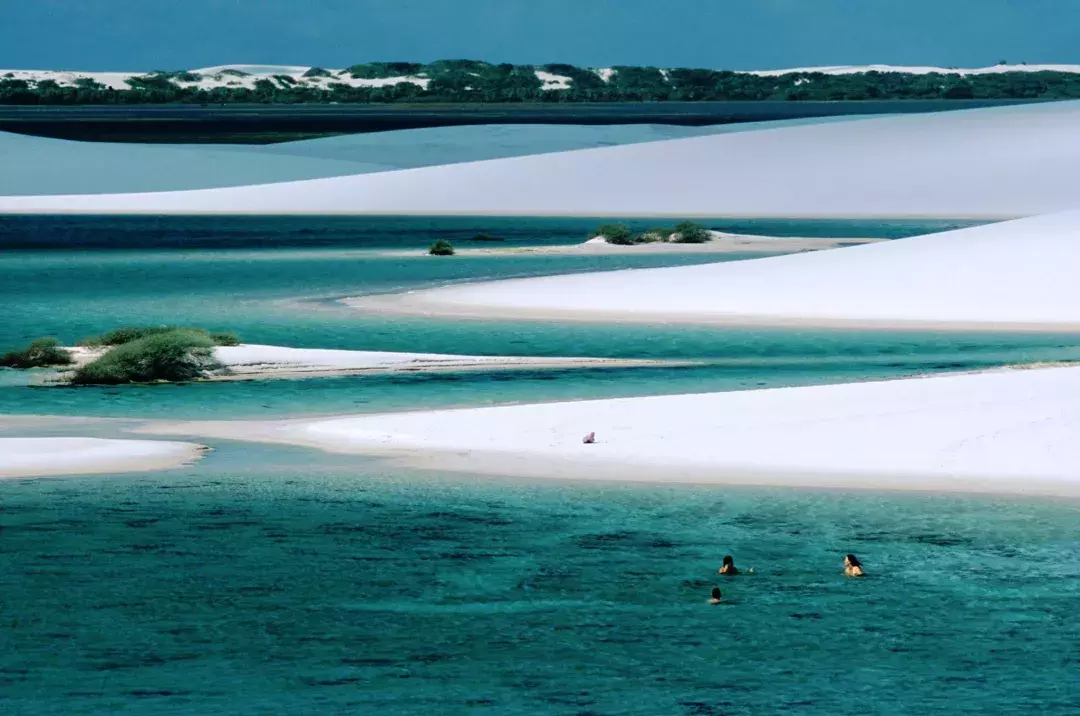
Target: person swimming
[715, 597]
[852, 566]
[728, 567]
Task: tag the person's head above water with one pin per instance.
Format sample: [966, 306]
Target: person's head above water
[716, 594]
[852, 561]
[729, 561]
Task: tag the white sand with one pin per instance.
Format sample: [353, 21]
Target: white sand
[269, 361]
[1008, 430]
[259, 361]
[36, 457]
[915, 70]
[999, 162]
[1018, 274]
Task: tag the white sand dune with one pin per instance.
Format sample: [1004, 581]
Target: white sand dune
[916, 70]
[1010, 430]
[36, 457]
[1000, 162]
[1017, 274]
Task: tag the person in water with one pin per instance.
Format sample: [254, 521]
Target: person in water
[715, 598]
[852, 566]
[728, 567]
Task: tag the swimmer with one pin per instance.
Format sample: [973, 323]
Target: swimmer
[852, 566]
[715, 598]
[728, 566]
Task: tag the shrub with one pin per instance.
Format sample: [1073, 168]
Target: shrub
[318, 72]
[42, 353]
[616, 234]
[177, 355]
[128, 334]
[225, 339]
[687, 232]
[653, 236]
[442, 247]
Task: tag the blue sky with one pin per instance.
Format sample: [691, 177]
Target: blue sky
[731, 34]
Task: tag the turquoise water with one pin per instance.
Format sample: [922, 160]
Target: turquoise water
[279, 281]
[282, 580]
[272, 581]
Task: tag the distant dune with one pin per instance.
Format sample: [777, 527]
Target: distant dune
[245, 76]
[1001, 162]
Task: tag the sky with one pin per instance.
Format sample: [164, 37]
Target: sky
[143, 35]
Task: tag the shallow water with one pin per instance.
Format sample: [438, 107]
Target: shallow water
[283, 580]
[278, 281]
[272, 581]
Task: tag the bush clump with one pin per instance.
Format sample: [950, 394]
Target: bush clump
[181, 354]
[442, 247]
[127, 334]
[687, 232]
[618, 234]
[225, 339]
[42, 353]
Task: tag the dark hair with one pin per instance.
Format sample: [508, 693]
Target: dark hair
[854, 561]
[729, 560]
[716, 593]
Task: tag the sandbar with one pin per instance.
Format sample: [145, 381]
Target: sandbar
[252, 361]
[47, 456]
[1005, 430]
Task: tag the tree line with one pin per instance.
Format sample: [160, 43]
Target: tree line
[469, 81]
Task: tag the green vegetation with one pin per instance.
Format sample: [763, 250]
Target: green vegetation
[42, 353]
[618, 234]
[128, 334]
[442, 247]
[180, 354]
[687, 232]
[469, 81]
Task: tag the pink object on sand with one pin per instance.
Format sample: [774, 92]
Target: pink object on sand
[590, 438]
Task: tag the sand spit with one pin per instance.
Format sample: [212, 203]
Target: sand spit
[1001, 431]
[722, 243]
[1011, 275]
[249, 361]
[959, 164]
[40, 457]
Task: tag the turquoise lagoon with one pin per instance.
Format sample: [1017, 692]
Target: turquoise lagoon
[282, 580]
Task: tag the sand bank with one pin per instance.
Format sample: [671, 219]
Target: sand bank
[249, 361]
[38, 457]
[1011, 275]
[1007, 430]
[722, 243]
[958, 164]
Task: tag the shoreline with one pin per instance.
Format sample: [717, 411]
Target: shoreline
[31, 457]
[723, 243]
[248, 361]
[414, 304]
[1004, 431]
